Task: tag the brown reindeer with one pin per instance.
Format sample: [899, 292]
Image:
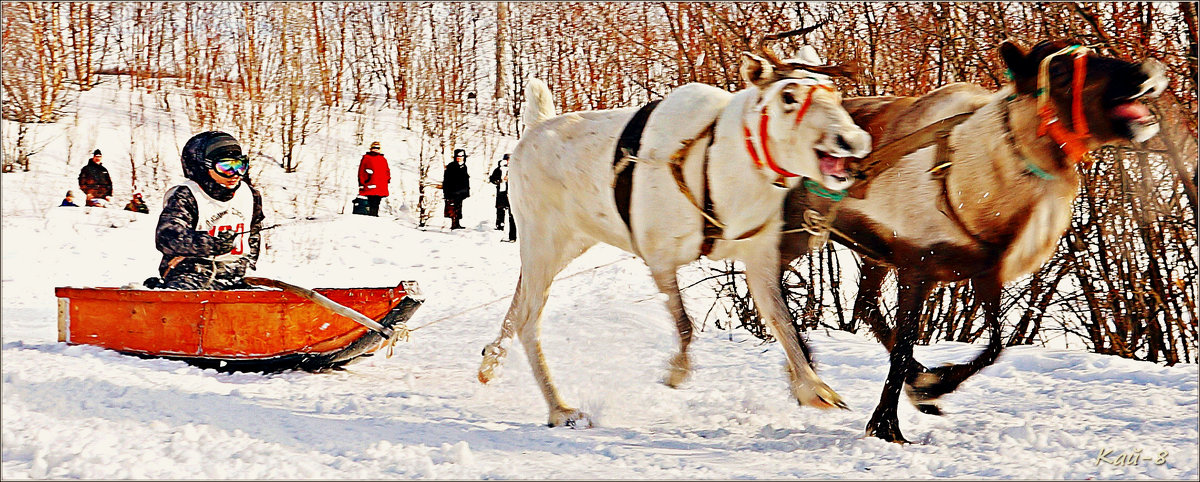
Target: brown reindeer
[987, 204]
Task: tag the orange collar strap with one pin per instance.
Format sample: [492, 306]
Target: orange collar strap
[1072, 142]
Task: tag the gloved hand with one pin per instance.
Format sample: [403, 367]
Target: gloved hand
[224, 242]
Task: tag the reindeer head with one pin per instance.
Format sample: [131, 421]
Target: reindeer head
[1111, 89]
[798, 125]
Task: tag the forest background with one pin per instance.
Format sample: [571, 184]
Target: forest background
[1123, 280]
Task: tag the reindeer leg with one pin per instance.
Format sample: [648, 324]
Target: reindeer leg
[884, 423]
[866, 308]
[538, 268]
[495, 352]
[680, 366]
[791, 247]
[762, 276]
[866, 303]
[928, 386]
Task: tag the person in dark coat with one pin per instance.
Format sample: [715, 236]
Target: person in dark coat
[69, 200]
[456, 186]
[499, 177]
[137, 205]
[373, 178]
[208, 231]
[94, 181]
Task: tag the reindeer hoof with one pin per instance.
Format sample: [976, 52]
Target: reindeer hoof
[925, 389]
[569, 417]
[929, 409]
[493, 357]
[821, 397]
[926, 379]
[678, 371]
[886, 428]
[814, 392]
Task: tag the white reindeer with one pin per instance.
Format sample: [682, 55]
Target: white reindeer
[788, 123]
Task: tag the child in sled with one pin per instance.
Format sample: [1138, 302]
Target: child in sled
[208, 231]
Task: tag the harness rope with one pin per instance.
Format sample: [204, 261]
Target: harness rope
[713, 229]
[502, 298]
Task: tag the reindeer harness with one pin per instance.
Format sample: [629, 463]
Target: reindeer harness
[629, 143]
[1072, 142]
[813, 84]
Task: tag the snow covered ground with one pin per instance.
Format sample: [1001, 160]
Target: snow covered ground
[85, 412]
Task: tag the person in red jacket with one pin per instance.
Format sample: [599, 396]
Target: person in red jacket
[373, 178]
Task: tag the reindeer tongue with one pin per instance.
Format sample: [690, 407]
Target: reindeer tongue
[1134, 110]
[833, 166]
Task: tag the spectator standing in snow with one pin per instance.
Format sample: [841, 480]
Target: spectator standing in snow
[69, 200]
[208, 231]
[456, 186]
[94, 181]
[499, 177]
[137, 204]
[373, 178]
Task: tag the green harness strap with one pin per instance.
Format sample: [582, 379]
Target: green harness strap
[816, 188]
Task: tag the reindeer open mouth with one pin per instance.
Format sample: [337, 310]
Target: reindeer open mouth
[833, 166]
[1125, 107]
[1131, 118]
[1132, 111]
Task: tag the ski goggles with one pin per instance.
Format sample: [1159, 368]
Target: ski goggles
[232, 166]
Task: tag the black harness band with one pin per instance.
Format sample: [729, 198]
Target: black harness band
[627, 147]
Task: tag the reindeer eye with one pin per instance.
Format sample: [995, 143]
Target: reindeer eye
[788, 97]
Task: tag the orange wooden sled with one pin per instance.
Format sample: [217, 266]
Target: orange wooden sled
[236, 330]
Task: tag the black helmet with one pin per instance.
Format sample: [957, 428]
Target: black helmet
[198, 154]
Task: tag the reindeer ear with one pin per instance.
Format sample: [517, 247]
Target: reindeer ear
[1023, 70]
[757, 70]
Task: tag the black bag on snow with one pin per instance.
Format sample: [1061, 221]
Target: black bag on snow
[360, 206]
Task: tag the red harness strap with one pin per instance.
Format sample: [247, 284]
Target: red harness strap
[762, 130]
[1073, 143]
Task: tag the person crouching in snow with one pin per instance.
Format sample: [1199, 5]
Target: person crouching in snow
[208, 231]
[137, 205]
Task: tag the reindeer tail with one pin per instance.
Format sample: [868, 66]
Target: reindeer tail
[539, 103]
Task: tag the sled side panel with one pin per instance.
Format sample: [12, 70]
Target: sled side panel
[246, 329]
[169, 328]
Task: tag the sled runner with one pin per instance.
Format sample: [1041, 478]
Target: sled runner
[240, 330]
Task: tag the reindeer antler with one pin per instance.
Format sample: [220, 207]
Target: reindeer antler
[792, 33]
[769, 54]
[838, 70]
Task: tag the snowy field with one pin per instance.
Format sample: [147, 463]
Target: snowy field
[85, 412]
